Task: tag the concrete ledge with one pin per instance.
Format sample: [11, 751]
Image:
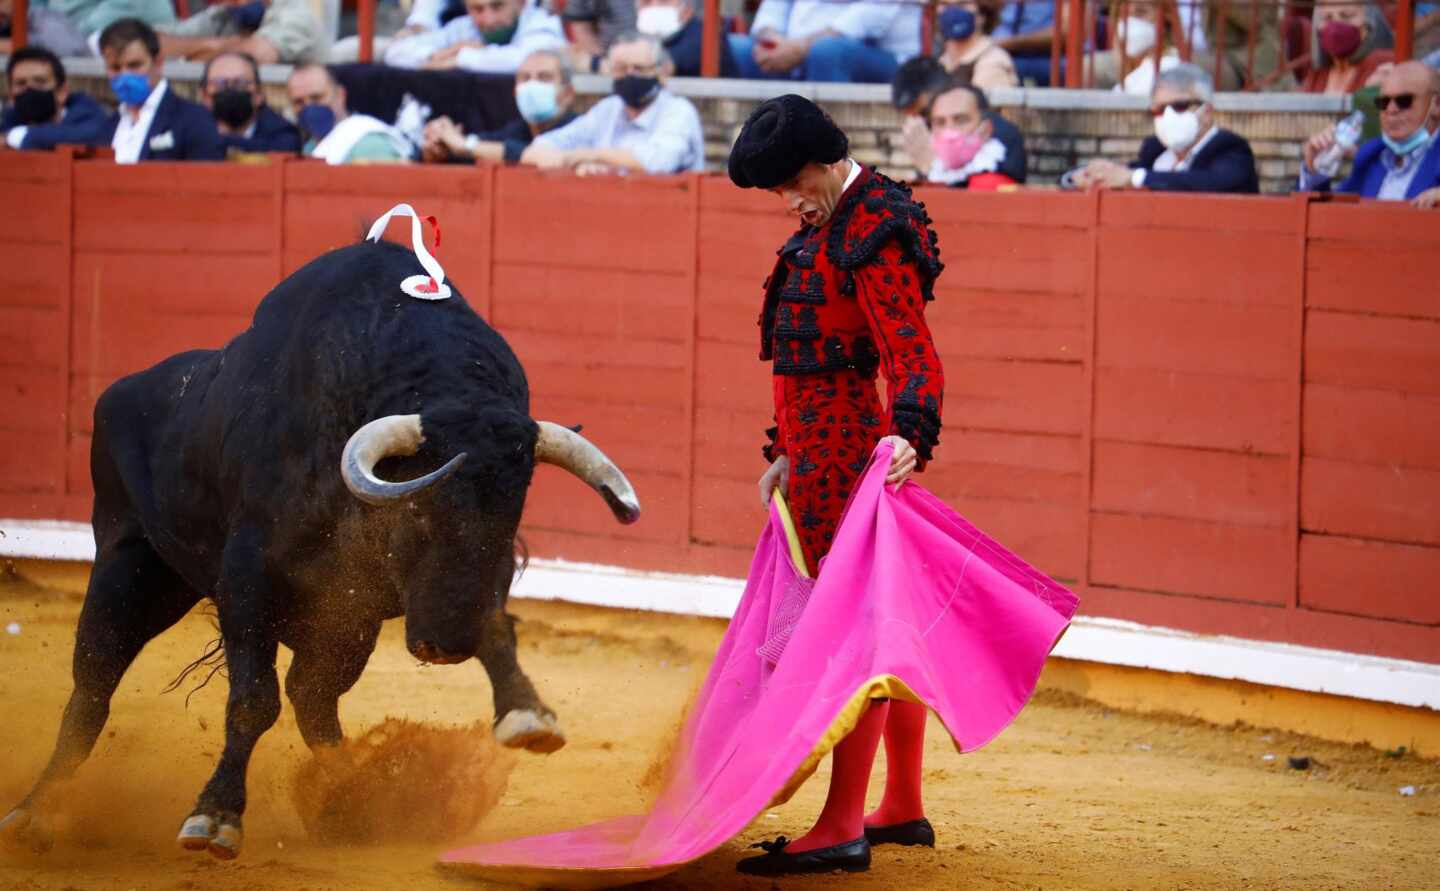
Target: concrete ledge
[1090, 639]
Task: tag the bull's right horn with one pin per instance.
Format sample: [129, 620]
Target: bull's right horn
[565, 448]
[380, 439]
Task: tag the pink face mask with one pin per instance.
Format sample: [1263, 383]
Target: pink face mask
[954, 148]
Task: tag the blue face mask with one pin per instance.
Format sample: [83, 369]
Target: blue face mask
[537, 101]
[1409, 144]
[248, 16]
[130, 88]
[956, 23]
[317, 120]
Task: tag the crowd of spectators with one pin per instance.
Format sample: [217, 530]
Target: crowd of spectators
[941, 73]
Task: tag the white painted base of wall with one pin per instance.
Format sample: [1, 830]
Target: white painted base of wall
[1092, 639]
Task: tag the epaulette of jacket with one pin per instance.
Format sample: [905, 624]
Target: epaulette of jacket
[882, 210]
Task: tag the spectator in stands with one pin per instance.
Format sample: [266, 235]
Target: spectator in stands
[271, 31]
[332, 133]
[1025, 32]
[959, 147]
[230, 88]
[1349, 43]
[916, 85]
[47, 28]
[643, 128]
[90, 17]
[682, 32]
[1188, 153]
[1129, 66]
[1404, 162]
[969, 54]
[860, 42]
[493, 36]
[593, 25]
[42, 112]
[544, 94]
[152, 123]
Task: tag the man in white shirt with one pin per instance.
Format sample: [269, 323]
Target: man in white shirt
[857, 42]
[494, 36]
[152, 123]
[643, 128]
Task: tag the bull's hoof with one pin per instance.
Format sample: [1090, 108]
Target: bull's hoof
[20, 828]
[222, 837]
[530, 730]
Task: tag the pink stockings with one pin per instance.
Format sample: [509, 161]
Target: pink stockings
[843, 818]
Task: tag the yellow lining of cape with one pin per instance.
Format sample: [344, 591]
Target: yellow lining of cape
[797, 555]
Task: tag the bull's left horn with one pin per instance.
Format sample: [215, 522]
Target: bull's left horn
[380, 439]
[565, 448]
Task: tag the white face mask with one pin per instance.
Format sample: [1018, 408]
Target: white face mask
[1139, 36]
[658, 21]
[1177, 130]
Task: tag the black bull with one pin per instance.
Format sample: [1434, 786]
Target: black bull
[215, 475]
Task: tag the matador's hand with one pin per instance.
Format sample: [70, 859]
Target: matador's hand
[902, 460]
[778, 474]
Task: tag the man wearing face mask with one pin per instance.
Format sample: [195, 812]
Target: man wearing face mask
[681, 31]
[332, 133]
[543, 93]
[643, 128]
[1188, 153]
[231, 90]
[913, 93]
[152, 123]
[494, 36]
[1404, 163]
[961, 149]
[270, 31]
[42, 112]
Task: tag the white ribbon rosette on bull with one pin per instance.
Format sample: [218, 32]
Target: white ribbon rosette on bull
[421, 287]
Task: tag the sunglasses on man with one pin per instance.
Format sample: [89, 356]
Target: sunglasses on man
[1179, 106]
[1402, 101]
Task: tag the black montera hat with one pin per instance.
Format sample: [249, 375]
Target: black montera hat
[780, 137]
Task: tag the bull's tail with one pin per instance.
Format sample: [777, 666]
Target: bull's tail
[213, 659]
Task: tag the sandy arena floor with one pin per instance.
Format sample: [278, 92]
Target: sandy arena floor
[1073, 796]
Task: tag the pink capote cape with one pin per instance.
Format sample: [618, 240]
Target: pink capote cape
[912, 602]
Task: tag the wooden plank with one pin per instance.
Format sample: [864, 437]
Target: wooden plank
[728, 311]
[120, 285]
[733, 377]
[1373, 351]
[1023, 208]
[637, 436]
[1242, 341]
[1381, 223]
[34, 275]
[1219, 487]
[178, 215]
[727, 442]
[996, 257]
[32, 339]
[33, 168]
[77, 464]
[559, 501]
[1183, 266]
[183, 181]
[386, 186]
[1372, 426]
[20, 472]
[1205, 411]
[115, 341]
[624, 306]
[1196, 213]
[44, 220]
[1192, 557]
[1366, 501]
[34, 401]
[1313, 628]
[1351, 276]
[1370, 578]
[1023, 397]
[952, 478]
[1008, 325]
[727, 511]
[1050, 536]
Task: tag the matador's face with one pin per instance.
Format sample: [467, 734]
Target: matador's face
[813, 193]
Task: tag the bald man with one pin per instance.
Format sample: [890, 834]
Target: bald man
[1403, 164]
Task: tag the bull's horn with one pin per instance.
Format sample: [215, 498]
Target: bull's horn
[565, 448]
[379, 439]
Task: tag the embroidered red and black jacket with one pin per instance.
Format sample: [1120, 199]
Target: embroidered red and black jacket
[852, 294]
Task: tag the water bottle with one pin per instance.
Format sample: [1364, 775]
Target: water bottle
[1347, 135]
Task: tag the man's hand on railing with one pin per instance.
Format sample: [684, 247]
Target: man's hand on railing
[1427, 200]
[1102, 174]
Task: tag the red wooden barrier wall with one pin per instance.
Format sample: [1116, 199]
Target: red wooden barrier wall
[1220, 414]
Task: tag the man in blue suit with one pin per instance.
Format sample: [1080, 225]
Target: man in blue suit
[1188, 152]
[153, 124]
[231, 90]
[1404, 163]
[42, 112]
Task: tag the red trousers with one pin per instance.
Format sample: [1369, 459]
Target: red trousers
[829, 424]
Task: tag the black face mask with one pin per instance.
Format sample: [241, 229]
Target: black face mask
[234, 107]
[35, 107]
[637, 92]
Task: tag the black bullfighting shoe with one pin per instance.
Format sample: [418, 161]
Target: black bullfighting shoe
[852, 856]
[913, 832]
